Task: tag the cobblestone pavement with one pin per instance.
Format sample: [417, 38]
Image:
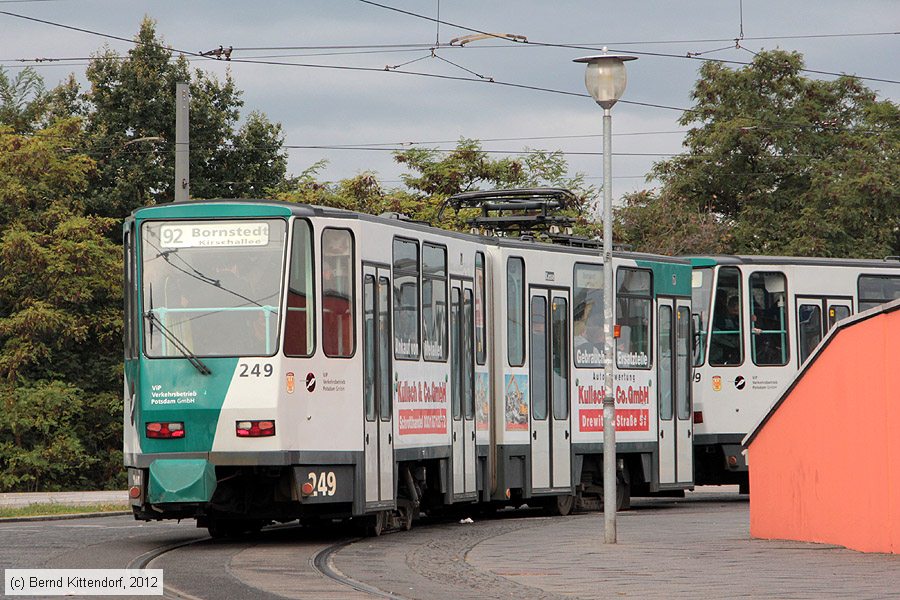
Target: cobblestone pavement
[665, 549]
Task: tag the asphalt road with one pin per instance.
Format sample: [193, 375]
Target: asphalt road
[693, 548]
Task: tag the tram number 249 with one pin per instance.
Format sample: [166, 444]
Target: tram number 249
[324, 483]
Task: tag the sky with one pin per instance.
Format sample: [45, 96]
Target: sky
[384, 108]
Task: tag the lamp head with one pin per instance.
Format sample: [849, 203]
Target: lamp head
[605, 77]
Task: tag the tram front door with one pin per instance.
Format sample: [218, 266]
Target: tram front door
[675, 423]
[377, 397]
[549, 374]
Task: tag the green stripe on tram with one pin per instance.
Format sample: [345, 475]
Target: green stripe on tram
[173, 390]
[669, 279]
[216, 210]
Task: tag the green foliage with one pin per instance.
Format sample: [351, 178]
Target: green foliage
[131, 125]
[777, 163]
[60, 320]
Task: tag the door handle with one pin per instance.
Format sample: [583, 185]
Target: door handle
[662, 433]
[454, 436]
[534, 434]
[567, 434]
[367, 439]
[390, 438]
[689, 434]
[473, 436]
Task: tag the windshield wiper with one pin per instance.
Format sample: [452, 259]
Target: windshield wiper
[179, 345]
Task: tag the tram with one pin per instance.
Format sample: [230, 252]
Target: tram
[286, 361]
[756, 319]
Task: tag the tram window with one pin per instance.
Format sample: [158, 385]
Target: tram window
[406, 299]
[369, 345]
[633, 300]
[480, 322]
[215, 286]
[456, 381]
[434, 302]
[299, 332]
[129, 297]
[836, 313]
[587, 315]
[701, 298]
[338, 333]
[515, 311]
[809, 329]
[559, 354]
[683, 364]
[539, 358]
[385, 397]
[875, 290]
[666, 364]
[768, 319]
[468, 368]
[726, 347]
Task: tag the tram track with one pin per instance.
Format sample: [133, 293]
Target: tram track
[322, 563]
[145, 560]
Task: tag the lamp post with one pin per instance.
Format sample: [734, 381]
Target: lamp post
[605, 79]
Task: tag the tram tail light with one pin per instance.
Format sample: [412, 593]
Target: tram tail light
[698, 417]
[255, 428]
[134, 492]
[165, 430]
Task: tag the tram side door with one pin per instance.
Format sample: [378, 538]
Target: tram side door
[673, 364]
[665, 391]
[684, 408]
[549, 375]
[377, 396]
[462, 389]
[815, 317]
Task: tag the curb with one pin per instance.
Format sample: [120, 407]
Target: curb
[92, 515]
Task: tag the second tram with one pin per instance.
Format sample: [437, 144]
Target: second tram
[756, 320]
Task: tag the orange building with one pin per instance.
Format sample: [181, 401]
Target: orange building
[825, 460]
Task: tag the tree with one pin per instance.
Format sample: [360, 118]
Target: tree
[131, 126]
[60, 319]
[777, 163]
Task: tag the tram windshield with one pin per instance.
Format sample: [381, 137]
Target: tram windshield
[701, 296]
[213, 287]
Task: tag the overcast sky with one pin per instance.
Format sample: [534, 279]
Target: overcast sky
[329, 107]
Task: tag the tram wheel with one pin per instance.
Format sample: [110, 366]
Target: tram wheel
[376, 524]
[561, 506]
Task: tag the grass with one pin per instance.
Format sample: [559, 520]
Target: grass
[53, 508]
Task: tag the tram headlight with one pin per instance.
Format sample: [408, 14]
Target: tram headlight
[255, 428]
[165, 430]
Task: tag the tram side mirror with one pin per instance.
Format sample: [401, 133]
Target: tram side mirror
[695, 330]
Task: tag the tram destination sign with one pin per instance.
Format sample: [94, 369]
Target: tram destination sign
[214, 235]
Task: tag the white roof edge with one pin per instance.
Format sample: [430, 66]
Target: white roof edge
[843, 323]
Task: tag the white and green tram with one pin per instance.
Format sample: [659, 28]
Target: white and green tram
[286, 361]
[756, 320]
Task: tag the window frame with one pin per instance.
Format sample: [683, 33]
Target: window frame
[287, 278]
[352, 299]
[860, 300]
[714, 307]
[635, 296]
[446, 280]
[785, 317]
[480, 301]
[522, 312]
[395, 303]
[598, 267]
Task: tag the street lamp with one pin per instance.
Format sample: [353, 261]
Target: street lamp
[605, 79]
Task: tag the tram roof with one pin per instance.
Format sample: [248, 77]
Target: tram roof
[746, 259]
[240, 207]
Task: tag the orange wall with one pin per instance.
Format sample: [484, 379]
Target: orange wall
[826, 466]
